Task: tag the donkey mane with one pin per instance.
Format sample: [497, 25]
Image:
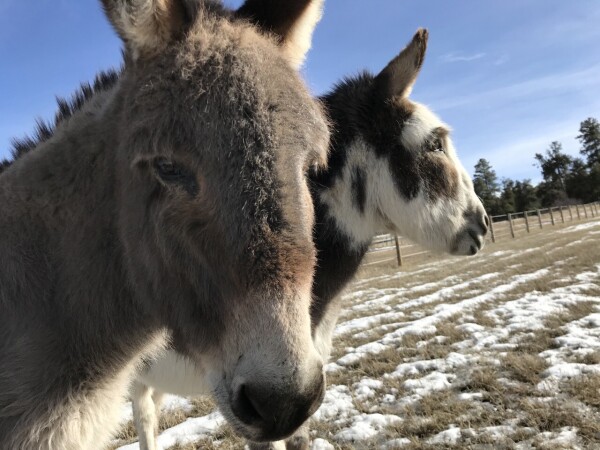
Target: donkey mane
[347, 105]
[103, 81]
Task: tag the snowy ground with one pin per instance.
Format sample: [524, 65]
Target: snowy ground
[496, 351]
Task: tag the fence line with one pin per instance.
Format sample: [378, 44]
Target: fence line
[502, 227]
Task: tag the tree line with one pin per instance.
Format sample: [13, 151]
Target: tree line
[566, 180]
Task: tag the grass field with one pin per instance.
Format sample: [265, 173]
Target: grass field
[498, 351]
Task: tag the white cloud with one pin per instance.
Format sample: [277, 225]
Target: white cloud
[454, 57]
[548, 85]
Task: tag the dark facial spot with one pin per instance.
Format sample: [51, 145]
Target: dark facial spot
[359, 188]
[384, 135]
[440, 177]
[405, 172]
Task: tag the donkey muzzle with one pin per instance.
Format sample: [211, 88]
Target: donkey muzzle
[276, 412]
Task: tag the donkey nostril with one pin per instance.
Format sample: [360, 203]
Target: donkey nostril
[248, 408]
[484, 223]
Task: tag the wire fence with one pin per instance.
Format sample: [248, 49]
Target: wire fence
[386, 248]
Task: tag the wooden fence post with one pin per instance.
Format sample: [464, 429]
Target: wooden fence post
[398, 251]
[551, 215]
[492, 229]
[512, 230]
[539, 213]
[592, 210]
[526, 221]
[578, 215]
[562, 217]
[585, 211]
[570, 213]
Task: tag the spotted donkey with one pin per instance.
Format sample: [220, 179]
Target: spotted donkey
[170, 199]
[392, 167]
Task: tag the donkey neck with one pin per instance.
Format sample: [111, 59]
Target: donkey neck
[344, 194]
[57, 209]
[348, 187]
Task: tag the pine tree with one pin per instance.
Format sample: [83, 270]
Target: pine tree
[590, 140]
[525, 196]
[486, 185]
[555, 166]
[507, 198]
[577, 181]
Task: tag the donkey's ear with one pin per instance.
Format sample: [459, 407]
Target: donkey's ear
[148, 26]
[399, 76]
[291, 21]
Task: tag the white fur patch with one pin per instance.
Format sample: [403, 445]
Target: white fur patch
[324, 331]
[419, 126]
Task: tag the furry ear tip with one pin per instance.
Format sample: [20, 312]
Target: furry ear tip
[421, 36]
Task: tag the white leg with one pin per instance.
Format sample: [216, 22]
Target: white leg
[157, 398]
[145, 415]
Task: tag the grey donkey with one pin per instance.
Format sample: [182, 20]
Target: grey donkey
[167, 203]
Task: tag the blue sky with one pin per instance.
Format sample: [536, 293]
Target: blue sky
[508, 76]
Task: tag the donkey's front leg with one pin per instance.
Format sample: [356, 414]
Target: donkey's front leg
[146, 410]
[299, 441]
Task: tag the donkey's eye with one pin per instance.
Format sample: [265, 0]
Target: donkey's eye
[171, 173]
[311, 166]
[436, 146]
[166, 169]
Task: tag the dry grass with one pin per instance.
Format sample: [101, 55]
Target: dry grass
[591, 358]
[525, 367]
[555, 414]
[586, 389]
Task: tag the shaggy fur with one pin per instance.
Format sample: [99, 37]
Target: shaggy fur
[104, 81]
[392, 168]
[168, 200]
